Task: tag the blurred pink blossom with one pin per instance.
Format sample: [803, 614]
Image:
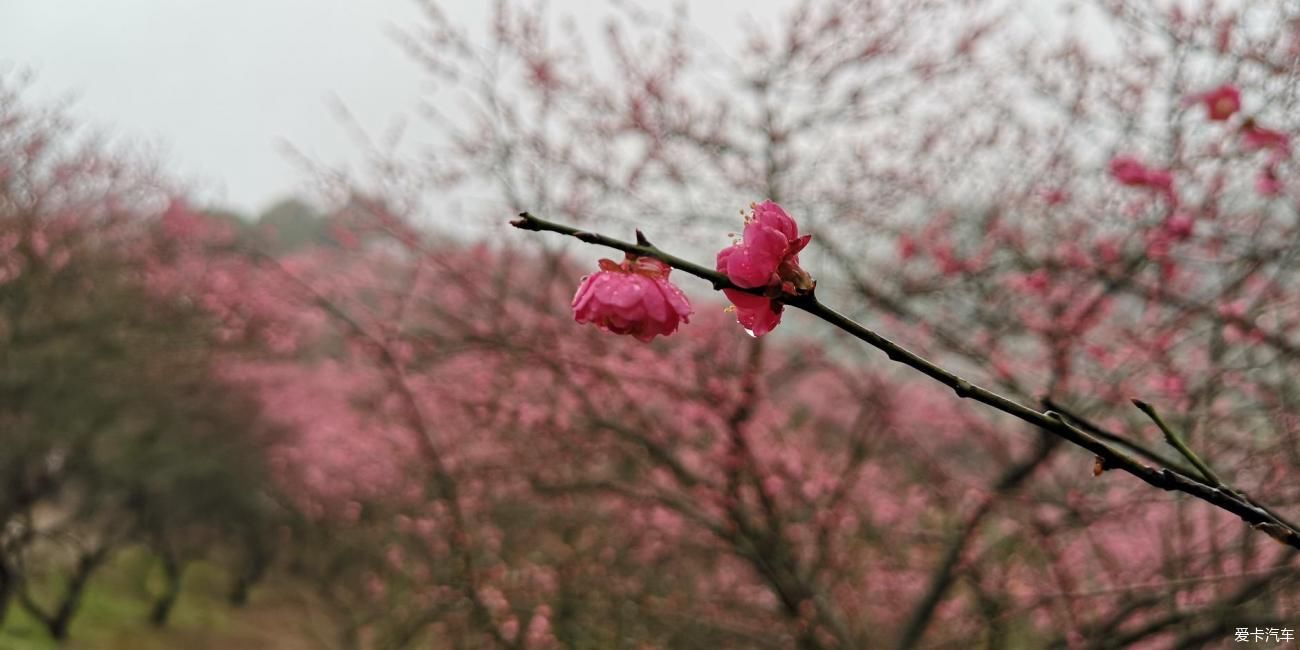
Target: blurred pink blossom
[1130, 171]
[1179, 226]
[1220, 103]
[1267, 182]
[1255, 137]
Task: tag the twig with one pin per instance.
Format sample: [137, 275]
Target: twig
[1177, 442]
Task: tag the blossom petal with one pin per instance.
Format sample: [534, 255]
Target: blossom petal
[774, 216]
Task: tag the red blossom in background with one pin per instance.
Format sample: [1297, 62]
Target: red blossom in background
[1256, 138]
[633, 298]
[1221, 103]
[766, 257]
[1132, 172]
[1267, 182]
[1179, 226]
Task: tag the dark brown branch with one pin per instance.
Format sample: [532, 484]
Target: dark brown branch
[1049, 421]
[58, 622]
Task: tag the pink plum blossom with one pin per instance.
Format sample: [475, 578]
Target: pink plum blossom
[1056, 196]
[757, 314]
[906, 247]
[767, 257]
[633, 298]
[769, 251]
[1132, 172]
[1179, 226]
[1220, 103]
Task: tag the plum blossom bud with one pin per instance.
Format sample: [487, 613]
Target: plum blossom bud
[633, 298]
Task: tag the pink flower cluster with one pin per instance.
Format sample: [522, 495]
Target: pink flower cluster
[633, 298]
[636, 298]
[1224, 102]
[1221, 104]
[767, 258]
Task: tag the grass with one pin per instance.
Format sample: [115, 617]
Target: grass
[114, 613]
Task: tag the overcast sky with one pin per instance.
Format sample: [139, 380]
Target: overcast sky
[217, 84]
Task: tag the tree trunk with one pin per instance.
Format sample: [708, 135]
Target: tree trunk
[250, 574]
[58, 625]
[6, 588]
[162, 607]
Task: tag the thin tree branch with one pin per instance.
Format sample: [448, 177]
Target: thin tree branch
[1049, 421]
[1176, 441]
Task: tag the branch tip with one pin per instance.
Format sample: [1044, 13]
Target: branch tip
[526, 221]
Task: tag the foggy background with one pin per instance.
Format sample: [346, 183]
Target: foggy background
[218, 87]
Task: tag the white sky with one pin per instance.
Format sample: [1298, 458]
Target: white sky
[218, 84]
